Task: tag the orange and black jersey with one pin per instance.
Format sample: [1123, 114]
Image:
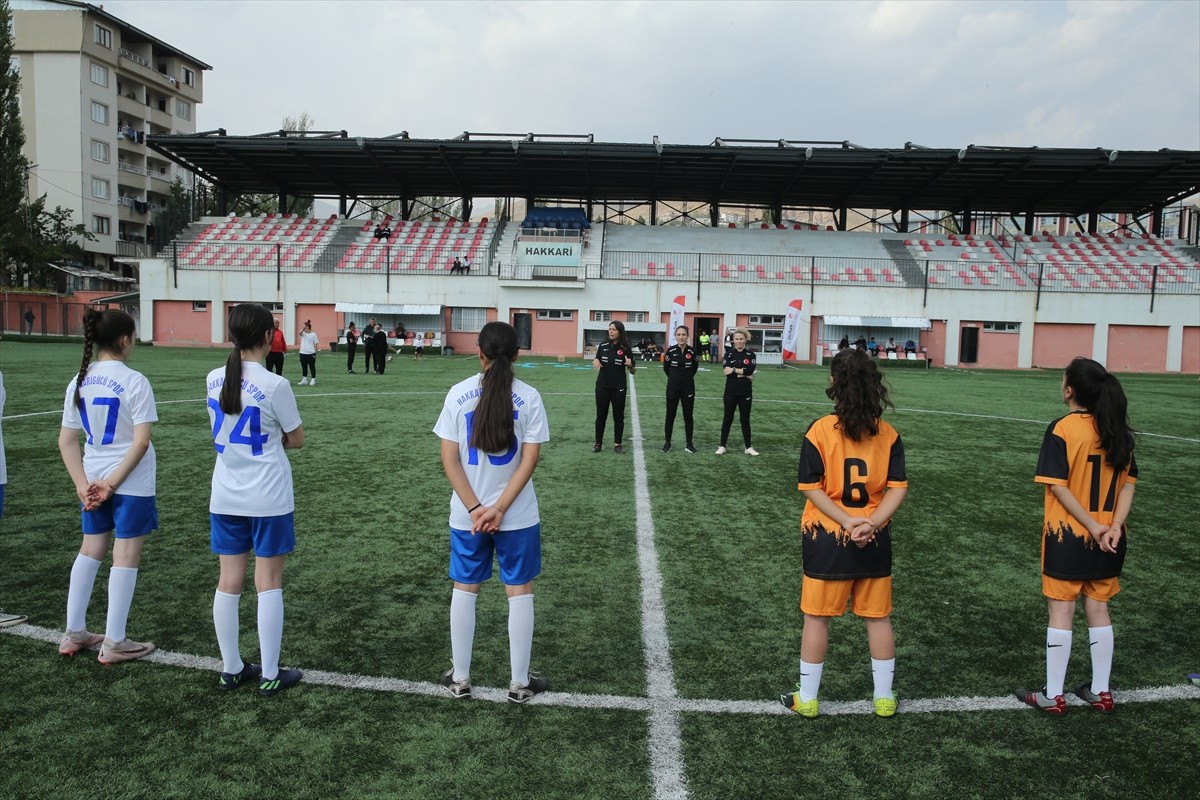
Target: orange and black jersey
[743, 360]
[1071, 456]
[681, 364]
[612, 365]
[854, 475]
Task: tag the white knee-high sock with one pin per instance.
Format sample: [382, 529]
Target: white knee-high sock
[462, 632]
[1058, 653]
[83, 578]
[225, 621]
[882, 672]
[270, 630]
[1102, 655]
[520, 636]
[810, 680]
[121, 583]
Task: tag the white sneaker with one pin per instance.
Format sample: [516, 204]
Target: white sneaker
[750, 451]
[721, 450]
[313, 382]
[302, 382]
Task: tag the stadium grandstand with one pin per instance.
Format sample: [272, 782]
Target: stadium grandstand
[984, 256]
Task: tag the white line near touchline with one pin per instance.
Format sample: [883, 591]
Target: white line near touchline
[1153, 694]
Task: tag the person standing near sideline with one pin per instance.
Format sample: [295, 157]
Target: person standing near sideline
[612, 359]
[351, 346]
[704, 339]
[29, 318]
[853, 477]
[1089, 471]
[277, 351]
[309, 344]
[492, 428]
[252, 501]
[6, 620]
[368, 342]
[680, 364]
[114, 480]
[739, 391]
[379, 347]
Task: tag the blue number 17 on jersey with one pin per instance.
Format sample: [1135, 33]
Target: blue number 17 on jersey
[250, 418]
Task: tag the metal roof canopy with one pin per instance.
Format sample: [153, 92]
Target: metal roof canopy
[780, 174]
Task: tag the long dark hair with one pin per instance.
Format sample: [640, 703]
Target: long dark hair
[249, 326]
[103, 330]
[1099, 391]
[492, 431]
[858, 393]
[622, 337]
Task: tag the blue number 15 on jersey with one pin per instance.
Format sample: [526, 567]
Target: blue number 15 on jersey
[495, 461]
[249, 420]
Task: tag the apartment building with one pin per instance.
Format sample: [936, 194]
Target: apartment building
[92, 88]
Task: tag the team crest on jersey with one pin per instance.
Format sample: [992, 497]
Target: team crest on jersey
[620, 352]
[688, 356]
[745, 361]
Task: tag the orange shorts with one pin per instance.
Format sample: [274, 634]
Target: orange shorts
[1101, 590]
[872, 597]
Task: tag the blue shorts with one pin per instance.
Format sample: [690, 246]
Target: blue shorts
[128, 517]
[266, 536]
[519, 553]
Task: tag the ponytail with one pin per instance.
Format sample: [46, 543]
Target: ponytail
[103, 330]
[249, 325]
[858, 393]
[90, 317]
[1100, 392]
[492, 430]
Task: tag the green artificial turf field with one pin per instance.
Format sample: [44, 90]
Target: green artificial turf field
[367, 605]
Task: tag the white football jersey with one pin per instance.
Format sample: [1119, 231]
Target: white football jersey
[489, 473]
[252, 477]
[114, 399]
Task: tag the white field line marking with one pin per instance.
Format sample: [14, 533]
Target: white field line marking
[706, 397]
[665, 738]
[1154, 694]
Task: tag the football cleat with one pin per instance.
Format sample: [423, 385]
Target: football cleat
[1102, 701]
[1054, 706]
[805, 708]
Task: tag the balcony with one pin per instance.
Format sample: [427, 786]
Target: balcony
[125, 166]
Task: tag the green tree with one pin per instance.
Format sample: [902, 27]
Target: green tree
[14, 167]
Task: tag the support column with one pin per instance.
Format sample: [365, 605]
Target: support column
[842, 214]
[1029, 220]
[283, 202]
[1156, 222]
[1093, 224]
[342, 206]
[904, 220]
[714, 214]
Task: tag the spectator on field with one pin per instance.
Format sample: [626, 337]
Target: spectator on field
[860, 343]
[368, 343]
[29, 318]
[873, 347]
[379, 346]
[351, 346]
[844, 344]
[277, 351]
[309, 343]
[910, 346]
[890, 347]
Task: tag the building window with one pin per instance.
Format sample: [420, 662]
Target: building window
[101, 225]
[555, 313]
[601, 316]
[103, 37]
[100, 188]
[99, 75]
[99, 151]
[99, 113]
[183, 109]
[199, 305]
[467, 320]
[1002, 327]
[14, 64]
[189, 77]
[637, 316]
[765, 319]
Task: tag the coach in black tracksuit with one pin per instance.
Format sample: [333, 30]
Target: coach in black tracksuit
[739, 371]
[612, 359]
[680, 364]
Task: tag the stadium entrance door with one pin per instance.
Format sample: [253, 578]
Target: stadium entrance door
[524, 325]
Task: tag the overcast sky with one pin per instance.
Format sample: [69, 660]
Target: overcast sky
[1052, 74]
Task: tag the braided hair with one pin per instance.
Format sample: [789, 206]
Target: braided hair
[102, 329]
